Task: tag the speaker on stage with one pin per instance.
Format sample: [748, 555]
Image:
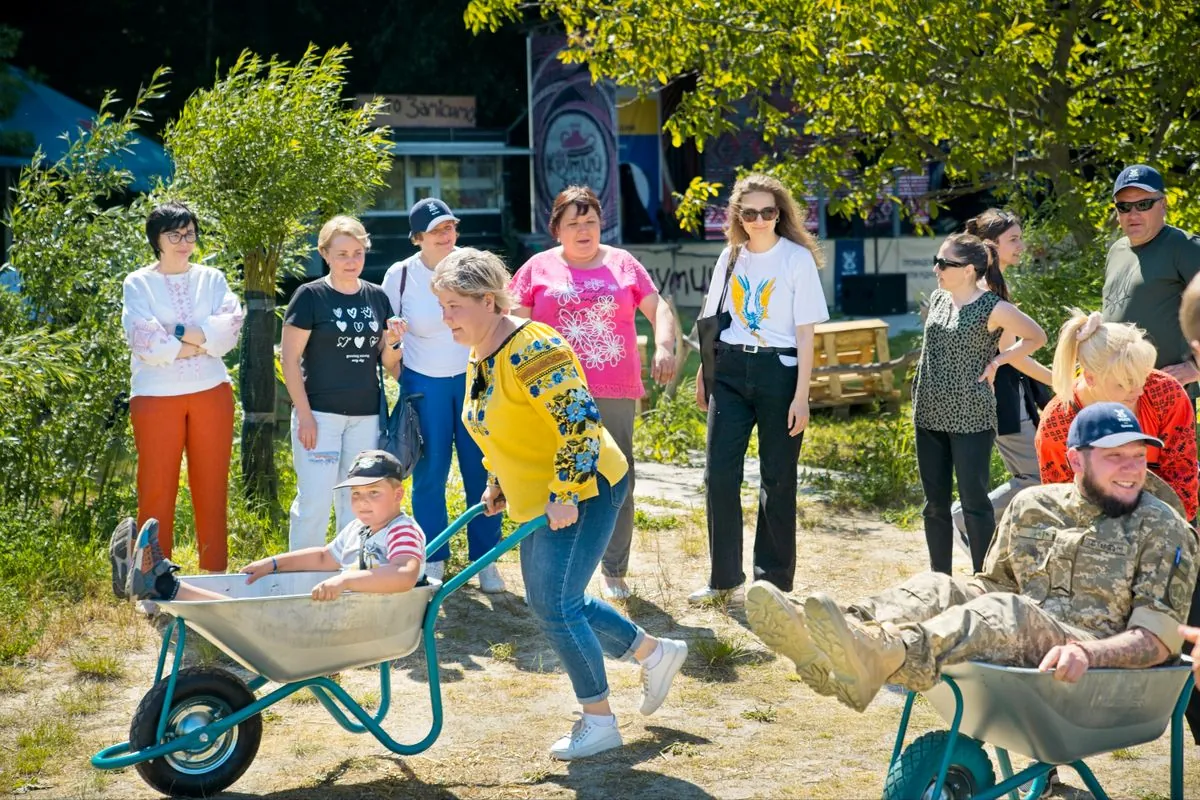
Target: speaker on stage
[875, 295]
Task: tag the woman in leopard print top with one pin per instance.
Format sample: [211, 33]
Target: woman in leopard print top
[954, 408]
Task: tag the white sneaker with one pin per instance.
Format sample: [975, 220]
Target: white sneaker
[491, 581]
[718, 597]
[656, 680]
[434, 570]
[614, 588]
[586, 739]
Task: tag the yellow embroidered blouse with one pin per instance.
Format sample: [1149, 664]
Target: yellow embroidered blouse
[529, 410]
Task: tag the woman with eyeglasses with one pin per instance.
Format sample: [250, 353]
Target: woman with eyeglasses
[590, 293]
[335, 334]
[434, 366]
[1021, 387]
[1113, 362]
[180, 320]
[548, 452]
[954, 406]
[767, 280]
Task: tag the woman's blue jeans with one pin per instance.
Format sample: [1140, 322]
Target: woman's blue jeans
[556, 567]
[440, 412]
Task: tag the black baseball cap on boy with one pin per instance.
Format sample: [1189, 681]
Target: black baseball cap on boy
[370, 466]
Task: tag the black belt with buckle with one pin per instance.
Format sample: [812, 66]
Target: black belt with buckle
[754, 348]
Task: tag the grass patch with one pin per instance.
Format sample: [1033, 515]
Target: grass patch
[694, 543]
[654, 522]
[36, 748]
[502, 651]
[1125, 754]
[722, 653]
[680, 750]
[368, 699]
[101, 665]
[12, 679]
[82, 699]
[757, 714]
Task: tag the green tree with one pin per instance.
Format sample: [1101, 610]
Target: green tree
[267, 152]
[64, 364]
[1044, 99]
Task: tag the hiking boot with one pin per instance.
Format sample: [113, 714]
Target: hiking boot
[586, 739]
[780, 624]
[120, 554]
[730, 598]
[656, 680]
[147, 565]
[491, 581]
[862, 654]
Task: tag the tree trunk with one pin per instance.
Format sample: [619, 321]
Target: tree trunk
[257, 373]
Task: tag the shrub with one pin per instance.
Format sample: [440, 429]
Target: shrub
[673, 429]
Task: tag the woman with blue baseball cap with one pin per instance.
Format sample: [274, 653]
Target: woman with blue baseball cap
[434, 366]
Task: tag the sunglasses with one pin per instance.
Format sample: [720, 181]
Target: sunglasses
[479, 384]
[751, 214]
[945, 263]
[1136, 205]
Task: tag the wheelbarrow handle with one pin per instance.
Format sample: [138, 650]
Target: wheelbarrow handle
[456, 526]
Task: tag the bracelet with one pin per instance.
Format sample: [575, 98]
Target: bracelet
[274, 565]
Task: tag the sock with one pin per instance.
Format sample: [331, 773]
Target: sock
[602, 720]
[651, 661]
[166, 586]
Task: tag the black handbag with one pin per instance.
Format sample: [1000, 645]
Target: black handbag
[400, 428]
[708, 329]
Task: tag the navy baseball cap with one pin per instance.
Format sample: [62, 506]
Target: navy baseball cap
[427, 214]
[370, 466]
[1107, 425]
[1139, 176]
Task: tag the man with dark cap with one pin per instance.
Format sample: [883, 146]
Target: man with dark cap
[1095, 573]
[1148, 268]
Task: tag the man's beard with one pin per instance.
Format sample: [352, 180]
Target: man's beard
[1109, 506]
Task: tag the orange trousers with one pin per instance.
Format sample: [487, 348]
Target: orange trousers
[163, 428]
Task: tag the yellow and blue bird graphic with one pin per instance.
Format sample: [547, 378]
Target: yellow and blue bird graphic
[751, 308]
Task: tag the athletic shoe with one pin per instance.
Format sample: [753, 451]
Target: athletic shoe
[120, 553]
[730, 598]
[491, 581]
[656, 680]
[586, 739]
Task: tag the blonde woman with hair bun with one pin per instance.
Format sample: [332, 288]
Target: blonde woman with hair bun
[1098, 361]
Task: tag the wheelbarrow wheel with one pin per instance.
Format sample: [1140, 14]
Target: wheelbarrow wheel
[202, 695]
[914, 774]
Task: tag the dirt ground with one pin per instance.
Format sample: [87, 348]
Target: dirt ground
[737, 724]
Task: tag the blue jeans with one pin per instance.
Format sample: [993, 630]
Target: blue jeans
[440, 412]
[556, 567]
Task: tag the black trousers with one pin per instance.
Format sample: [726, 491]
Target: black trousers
[942, 458]
[750, 389]
[1192, 713]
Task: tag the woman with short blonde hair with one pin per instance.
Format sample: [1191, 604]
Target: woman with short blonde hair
[334, 336]
[1098, 361]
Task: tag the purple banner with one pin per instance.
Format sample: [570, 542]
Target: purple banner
[572, 132]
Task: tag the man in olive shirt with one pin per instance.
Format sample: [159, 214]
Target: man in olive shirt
[1149, 267]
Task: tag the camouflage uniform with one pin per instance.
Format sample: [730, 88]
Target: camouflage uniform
[1057, 571]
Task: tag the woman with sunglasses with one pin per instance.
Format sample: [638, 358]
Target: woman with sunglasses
[1113, 362]
[548, 452]
[1020, 387]
[434, 367]
[954, 407]
[180, 320]
[763, 367]
[591, 293]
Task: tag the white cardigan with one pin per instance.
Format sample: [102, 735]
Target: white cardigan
[154, 304]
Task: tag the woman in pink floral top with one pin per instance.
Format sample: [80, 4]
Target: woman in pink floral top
[590, 292]
[180, 320]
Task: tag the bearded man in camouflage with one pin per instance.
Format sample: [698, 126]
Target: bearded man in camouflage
[1097, 573]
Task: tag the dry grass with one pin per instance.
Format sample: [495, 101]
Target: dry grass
[738, 722]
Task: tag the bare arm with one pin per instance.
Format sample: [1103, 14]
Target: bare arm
[1136, 648]
[292, 345]
[521, 311]
[1007, 317]
[655, 309]
[308, 559]
[384, 579]
[798, 412]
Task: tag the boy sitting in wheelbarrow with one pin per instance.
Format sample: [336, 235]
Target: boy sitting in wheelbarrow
[383, 551]
[1097, 573]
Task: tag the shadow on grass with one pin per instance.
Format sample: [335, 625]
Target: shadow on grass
[612, 774]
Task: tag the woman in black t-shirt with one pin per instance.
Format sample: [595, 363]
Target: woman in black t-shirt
[334, 334]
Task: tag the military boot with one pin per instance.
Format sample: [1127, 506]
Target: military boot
[780, 624]
[863, 655]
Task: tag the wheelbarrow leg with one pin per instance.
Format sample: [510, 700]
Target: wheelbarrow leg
[903, 729]
[1089, 780]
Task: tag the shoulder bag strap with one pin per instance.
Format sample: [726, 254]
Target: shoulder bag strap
[734, 252]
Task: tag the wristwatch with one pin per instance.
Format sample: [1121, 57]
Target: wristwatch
[179, 331]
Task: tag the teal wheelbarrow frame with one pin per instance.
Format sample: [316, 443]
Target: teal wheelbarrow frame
[1028, 712]
[198, 729]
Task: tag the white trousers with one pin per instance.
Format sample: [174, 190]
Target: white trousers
[339, 439]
